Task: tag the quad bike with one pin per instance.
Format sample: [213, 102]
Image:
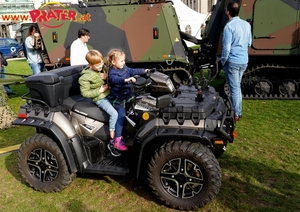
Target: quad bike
[174, 136]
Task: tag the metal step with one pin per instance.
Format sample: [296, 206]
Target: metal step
[110, 166]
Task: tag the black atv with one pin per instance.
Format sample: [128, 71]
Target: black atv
[174, 136]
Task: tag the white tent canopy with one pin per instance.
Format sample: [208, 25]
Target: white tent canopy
[188, 16]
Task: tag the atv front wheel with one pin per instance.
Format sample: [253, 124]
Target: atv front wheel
[184, 175]
[42, 164]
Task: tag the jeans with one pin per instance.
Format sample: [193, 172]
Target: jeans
[37, 67]
[6, 87]
[234, 73]
[121, 119]
[105, 105]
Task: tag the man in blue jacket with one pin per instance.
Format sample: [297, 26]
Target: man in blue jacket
[236, 40]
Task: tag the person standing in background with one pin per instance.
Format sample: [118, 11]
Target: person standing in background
[3, 62]
[79, 48]
[236, 40]
[34, 54]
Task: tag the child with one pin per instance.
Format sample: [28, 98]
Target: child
[93, 85]
[119, 76]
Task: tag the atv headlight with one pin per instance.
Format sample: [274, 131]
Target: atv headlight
[170, 85]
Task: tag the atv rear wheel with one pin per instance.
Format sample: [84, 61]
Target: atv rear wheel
[184, 175]
[42, 164]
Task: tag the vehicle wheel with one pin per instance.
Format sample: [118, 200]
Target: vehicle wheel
[226, 89]
[42, 164]
[263, 87]
[288, 87]
[184, 175]
[21, 54]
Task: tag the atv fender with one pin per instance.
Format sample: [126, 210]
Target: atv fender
[72, 149]
[64, 134]
[155, 130]
[67, 148]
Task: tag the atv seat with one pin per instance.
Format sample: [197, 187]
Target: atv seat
[86, 107]
[60, 87]
[54, 86]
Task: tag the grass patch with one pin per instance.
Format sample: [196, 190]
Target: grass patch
[260, 170]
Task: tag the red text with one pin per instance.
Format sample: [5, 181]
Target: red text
[15, 17]
[41, 16]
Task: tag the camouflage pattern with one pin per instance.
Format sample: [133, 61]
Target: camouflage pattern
[275, 26]
[274, 32]
[273, 69]
[7, 116]
[147, 32]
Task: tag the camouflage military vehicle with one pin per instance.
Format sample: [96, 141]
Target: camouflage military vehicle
[146, 30]
[274, 67]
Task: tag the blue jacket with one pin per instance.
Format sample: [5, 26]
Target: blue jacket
[120, 90]
[236, 40]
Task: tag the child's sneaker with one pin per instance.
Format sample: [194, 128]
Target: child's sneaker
[112, 149]
[119, 144]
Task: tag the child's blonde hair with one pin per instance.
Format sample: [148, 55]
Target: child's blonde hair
[93, 57]
[113, 55]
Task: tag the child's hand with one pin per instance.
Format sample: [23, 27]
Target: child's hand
[103, 88]
[103, 76]
[132, 79]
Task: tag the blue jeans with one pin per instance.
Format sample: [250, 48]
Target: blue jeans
[6, 87]
[121, 119]
[37, 67]
[105, 105]
[234, 73]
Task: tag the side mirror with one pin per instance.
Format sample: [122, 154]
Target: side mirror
[163, 101]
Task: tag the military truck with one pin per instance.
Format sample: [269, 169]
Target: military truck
[274, 67]
[148, 31]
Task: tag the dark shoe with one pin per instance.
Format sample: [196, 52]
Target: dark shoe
[112, 150]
